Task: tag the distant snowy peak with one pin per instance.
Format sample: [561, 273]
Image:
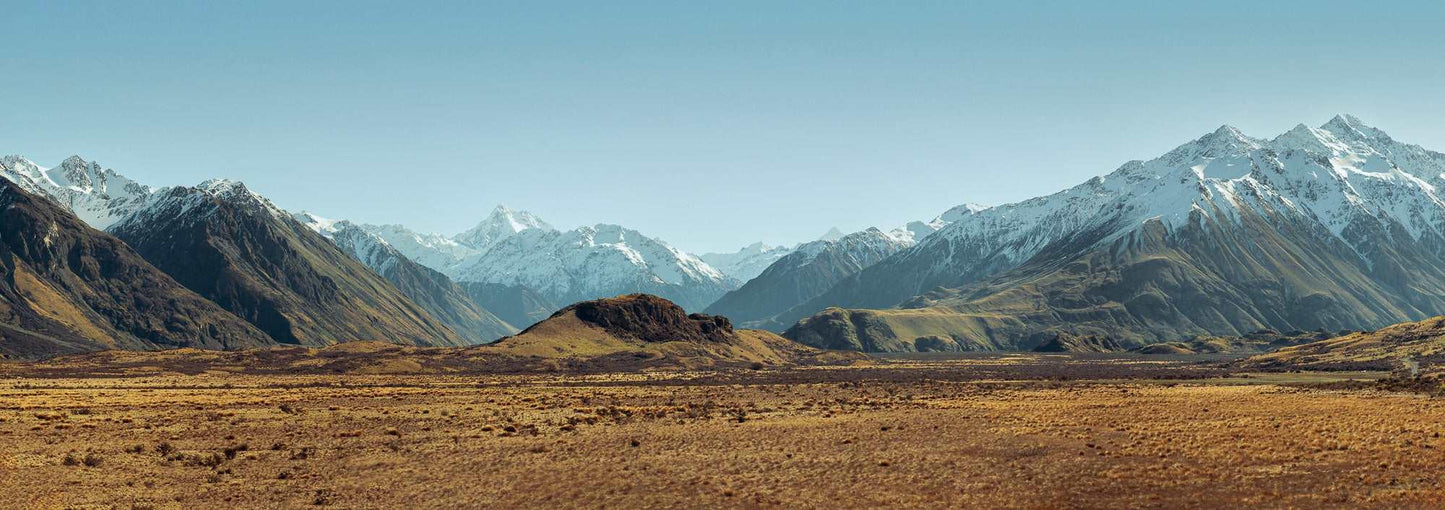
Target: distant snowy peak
[591, 262]
[958, 213]
[746, 263]
[501, 224]
[323, 226]
[435, 251]
[98, 196]
[833, 234]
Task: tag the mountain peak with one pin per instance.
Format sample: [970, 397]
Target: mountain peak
[1345, 119]
[1228, 136]
[74, 161]
[502, 223]
[15, 159]
[1349, 127]
[1225, 141]
[221, 186]
[833, 234]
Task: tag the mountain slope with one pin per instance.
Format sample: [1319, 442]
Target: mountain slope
[69, 288]
[808, 271]
[1335, 227]
[240, 251]
[518, 305]
[426, 287]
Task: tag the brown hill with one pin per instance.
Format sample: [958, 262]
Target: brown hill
[648, 327]
[1410, 346]
[67, 287]
[1059, 341]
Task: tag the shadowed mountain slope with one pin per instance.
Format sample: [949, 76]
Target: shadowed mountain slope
[237, 249]
[69, 288]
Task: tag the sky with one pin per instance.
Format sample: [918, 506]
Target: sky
[707, 124]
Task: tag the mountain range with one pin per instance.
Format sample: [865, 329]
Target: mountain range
[1335, 227]
[1321, 228]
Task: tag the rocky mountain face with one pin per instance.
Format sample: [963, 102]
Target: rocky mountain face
[66, 287]
[428, 288]
[98, 196]
[1336, 227]
[803, 274]
[240, 251]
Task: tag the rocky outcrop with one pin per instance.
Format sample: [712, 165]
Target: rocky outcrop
[641, 330]
[651, 319]
[1065, 342]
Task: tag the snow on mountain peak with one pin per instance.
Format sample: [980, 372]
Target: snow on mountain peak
[96, 195]
[323, 226]
[502, 223]
[833, 234]
[1338, 175]
[1225, 141]
[746, 263]
[237, 192]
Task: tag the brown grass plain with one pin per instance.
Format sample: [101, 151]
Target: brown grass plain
[1018, 431]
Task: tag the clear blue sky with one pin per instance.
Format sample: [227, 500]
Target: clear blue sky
[710, 125]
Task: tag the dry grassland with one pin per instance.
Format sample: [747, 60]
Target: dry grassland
[903, 435]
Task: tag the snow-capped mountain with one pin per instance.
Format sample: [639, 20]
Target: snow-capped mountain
[500, 225]
[98, 196]
[833, 234]
[592, 262]
[746, 263]
[1337, 226]
[915, 231]
[431, 250]
[810, 269]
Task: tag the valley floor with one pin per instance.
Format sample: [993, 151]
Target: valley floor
[929, 433]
